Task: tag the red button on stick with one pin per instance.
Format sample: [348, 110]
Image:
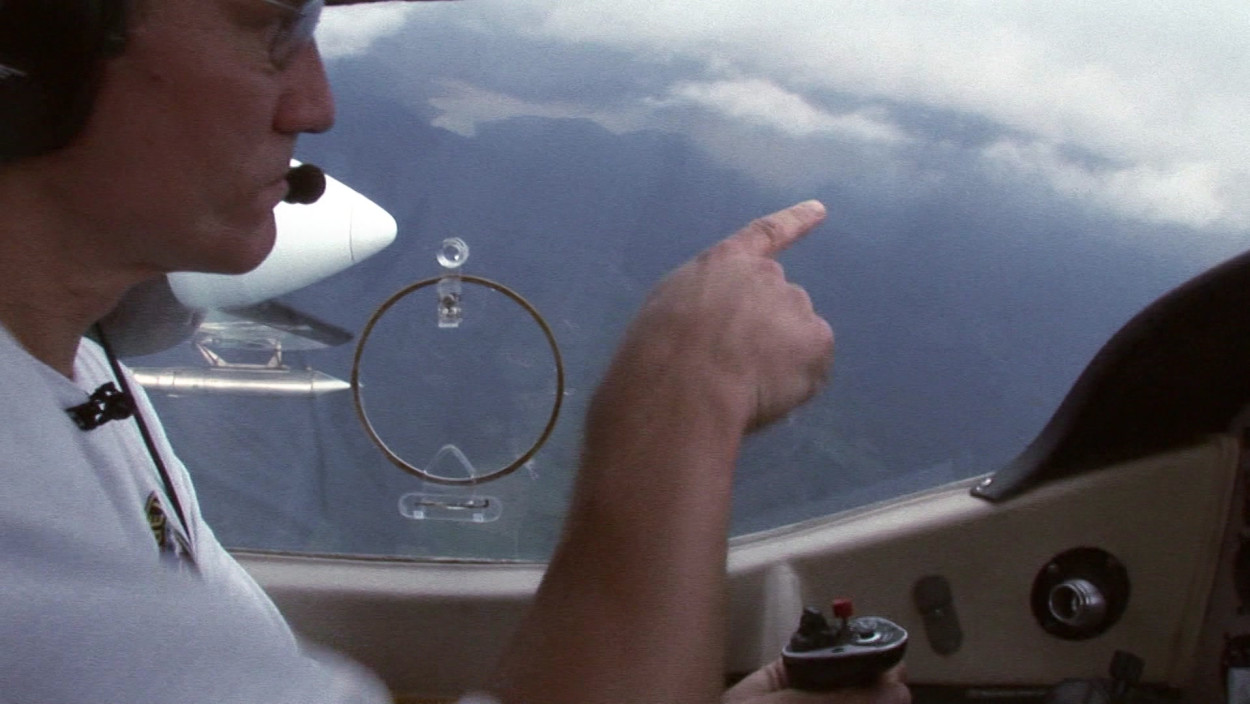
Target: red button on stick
[843, 608]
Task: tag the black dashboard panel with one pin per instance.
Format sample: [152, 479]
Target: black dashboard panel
[1174, 374]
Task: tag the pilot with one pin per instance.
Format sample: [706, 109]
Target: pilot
[140, 137]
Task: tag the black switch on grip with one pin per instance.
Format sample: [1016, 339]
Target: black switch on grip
[851, 652]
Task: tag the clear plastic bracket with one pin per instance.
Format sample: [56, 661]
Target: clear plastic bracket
[443, 504]
[452, 255]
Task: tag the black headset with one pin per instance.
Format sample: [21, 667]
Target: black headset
[51, 53]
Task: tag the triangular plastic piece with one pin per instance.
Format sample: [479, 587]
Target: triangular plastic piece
[451, 463]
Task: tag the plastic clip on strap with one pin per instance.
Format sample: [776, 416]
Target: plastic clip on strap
[107, 403]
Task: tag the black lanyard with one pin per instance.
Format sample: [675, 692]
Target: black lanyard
[143, 430]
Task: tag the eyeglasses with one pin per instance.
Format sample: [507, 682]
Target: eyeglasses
[296, 30]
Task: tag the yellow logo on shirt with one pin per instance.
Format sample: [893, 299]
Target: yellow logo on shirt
[169, 537]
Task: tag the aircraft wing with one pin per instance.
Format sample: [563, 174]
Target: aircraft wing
[243, 349]
[269, 325]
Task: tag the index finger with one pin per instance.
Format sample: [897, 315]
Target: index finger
[771, 234]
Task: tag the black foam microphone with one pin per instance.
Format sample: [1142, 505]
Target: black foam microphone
[305, 184]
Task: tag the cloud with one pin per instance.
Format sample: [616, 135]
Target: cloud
[351, 30]
[764, 103]
[1191, 194]
[464, 106]
[1158, 91]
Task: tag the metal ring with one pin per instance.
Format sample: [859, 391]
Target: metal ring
[399, 461]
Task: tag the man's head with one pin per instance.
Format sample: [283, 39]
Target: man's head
[175, 120]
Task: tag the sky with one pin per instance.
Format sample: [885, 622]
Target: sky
[1138, 108]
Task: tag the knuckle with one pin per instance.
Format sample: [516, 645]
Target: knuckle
[769, 228]
[801, 297]
[711, 253]
[824, 336]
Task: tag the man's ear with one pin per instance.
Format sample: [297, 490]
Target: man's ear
[51, 52]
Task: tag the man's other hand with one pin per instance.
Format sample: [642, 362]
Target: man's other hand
[767, 685]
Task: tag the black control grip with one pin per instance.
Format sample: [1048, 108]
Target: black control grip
[859, 653]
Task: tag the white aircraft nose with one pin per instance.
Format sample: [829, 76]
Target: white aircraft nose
[314, 241]
[373, 230]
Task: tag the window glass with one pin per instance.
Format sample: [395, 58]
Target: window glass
[1008, 183]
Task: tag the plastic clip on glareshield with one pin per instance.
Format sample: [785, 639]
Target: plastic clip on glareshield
[451, 256]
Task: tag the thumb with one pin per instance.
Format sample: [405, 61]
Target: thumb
[767, 679]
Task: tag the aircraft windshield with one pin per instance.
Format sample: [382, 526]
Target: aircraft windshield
[1007, 183]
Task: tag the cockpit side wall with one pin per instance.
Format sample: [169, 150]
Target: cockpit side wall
[434, 629]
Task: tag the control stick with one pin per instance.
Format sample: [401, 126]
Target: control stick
[849, 652]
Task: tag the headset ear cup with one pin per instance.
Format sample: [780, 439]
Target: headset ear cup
[50, 58]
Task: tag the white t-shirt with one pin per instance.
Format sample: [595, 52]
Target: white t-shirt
[92, 608]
